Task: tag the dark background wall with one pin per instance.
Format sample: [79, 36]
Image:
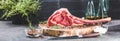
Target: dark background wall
[76, 7]
[114, 10]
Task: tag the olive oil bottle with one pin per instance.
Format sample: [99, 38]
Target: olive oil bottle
[90, 12]
[103, 8]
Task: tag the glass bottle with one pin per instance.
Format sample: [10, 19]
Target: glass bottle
[90, 13]
[103, 9]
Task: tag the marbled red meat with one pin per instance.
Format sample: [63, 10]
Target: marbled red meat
[63, 17]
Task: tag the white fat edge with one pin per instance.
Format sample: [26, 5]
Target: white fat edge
[83, 17]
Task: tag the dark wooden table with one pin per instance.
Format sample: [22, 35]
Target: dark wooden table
[10, 32]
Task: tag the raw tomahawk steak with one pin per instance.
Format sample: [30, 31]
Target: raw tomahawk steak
[63, 17]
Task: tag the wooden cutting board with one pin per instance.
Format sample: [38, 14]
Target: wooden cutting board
[81, 32]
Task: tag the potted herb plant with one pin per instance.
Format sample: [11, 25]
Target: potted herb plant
[22, 8]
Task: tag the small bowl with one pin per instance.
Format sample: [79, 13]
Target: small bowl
[33, 33]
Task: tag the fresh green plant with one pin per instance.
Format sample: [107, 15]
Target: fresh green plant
[22, 7]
